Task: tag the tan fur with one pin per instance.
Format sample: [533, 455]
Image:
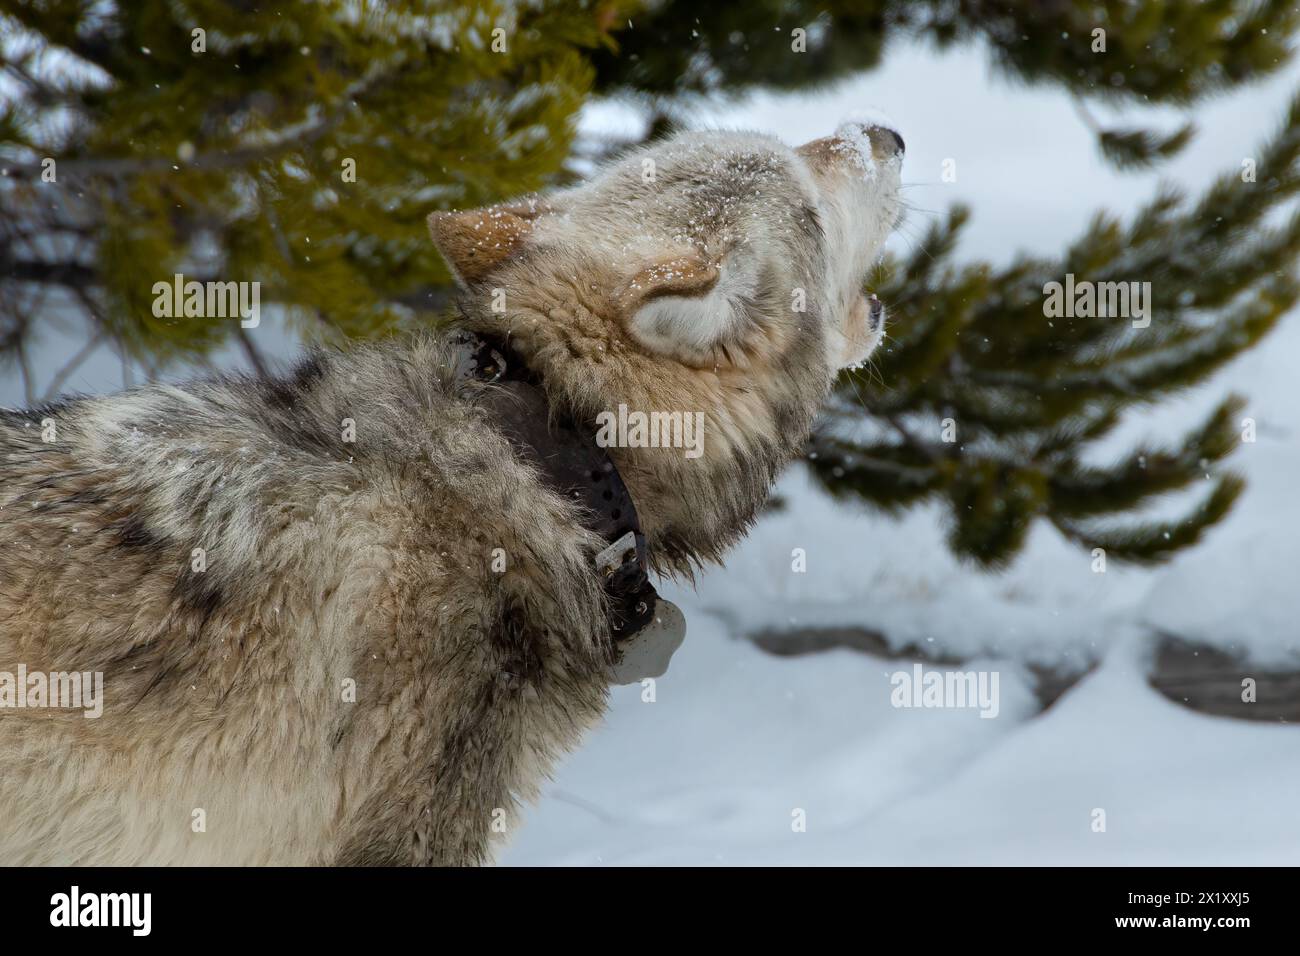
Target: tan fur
[329, 562]
[479, 240]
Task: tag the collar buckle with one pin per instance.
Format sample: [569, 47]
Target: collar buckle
[618, 555]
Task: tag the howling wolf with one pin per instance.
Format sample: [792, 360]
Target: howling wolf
[352, 614]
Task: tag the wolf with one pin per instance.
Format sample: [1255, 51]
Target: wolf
[341, 618]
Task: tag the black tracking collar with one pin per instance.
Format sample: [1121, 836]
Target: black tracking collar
[575, 467]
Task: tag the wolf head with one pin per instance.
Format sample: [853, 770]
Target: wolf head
[712, 273]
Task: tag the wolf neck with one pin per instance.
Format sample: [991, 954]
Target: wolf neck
[694, 506]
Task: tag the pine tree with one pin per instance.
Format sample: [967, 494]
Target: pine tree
[299, 145]
[1114, 52]
[986, 401]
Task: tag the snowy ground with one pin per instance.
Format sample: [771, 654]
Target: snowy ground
[737, 741]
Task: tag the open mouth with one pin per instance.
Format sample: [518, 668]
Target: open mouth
[875, 313]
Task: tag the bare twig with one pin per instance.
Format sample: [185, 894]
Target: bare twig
[911, 440]
[61, 377]
[25, 369]
[1085, 114]
[128, 377]
[251, 351]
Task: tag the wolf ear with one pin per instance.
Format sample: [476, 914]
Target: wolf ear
[684, 308]
[476, 241]
[690, 275]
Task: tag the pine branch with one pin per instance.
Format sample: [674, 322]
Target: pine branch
[1141, 148]
[1079, 492]
[1157, 541]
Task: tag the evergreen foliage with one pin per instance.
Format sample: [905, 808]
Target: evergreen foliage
[1154, 51]
[1028, 396]
[230, 153]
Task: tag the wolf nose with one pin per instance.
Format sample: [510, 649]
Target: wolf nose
[855, 143]
[883, 143]
[885, 140]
